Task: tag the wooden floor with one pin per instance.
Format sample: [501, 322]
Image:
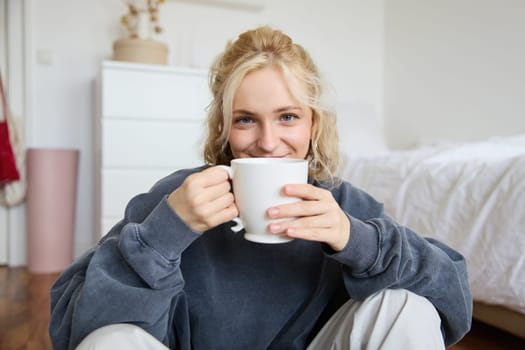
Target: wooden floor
[24, 309]
[24, 317]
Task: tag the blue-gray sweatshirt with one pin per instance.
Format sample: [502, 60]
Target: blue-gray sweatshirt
[217, 290]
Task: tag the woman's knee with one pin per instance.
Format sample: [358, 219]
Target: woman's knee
[405, 301]
[390, 319]
[398, 316]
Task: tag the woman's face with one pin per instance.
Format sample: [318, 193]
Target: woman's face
[267, 120]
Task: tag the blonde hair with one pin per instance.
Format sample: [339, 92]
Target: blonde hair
[256, 49]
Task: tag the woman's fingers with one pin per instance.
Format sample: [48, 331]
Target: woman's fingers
[334, 232]
[204, 199]
[209, 209]
[223, 212]
[205, 179]
[315, 201]
[312, 222]
[305, 191]
[201, 196]
[317, 217]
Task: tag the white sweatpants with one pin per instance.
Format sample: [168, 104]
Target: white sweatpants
[391, 319]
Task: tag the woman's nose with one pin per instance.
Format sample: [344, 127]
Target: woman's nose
[268, 139]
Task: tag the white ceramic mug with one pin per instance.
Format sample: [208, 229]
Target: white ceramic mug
[257, 186]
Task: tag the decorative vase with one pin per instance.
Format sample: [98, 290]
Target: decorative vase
[51, 206]
[140, 51]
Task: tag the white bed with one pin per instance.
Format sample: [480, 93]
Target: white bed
[470, 196]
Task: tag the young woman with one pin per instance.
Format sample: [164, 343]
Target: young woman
[173, 274]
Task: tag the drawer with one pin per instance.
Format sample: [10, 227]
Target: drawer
[119, 186]
[154, 94]
[129, 143]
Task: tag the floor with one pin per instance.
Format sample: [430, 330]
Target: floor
[24, 317]
[24, 310]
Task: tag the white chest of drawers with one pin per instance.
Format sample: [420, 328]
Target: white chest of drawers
[150, 123]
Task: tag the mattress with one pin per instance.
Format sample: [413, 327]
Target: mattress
[468, 195]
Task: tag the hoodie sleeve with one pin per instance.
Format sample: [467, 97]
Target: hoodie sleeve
[383, 254]
[132, 276]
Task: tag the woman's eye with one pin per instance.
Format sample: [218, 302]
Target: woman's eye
[288, 117]
[243, 120]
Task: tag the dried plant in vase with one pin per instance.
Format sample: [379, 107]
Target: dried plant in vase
[141, 21]
[142, 18]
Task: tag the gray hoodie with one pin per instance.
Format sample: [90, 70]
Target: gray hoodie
[216, 290]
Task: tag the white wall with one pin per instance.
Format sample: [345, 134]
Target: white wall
[12, 220]
[68, 40]
[454, 69]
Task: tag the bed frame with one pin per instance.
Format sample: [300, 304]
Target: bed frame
[500, 317]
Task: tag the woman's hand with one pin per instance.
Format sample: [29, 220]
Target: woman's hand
[319, 217]
[204, 199]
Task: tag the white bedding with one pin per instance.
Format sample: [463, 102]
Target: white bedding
[470, 195]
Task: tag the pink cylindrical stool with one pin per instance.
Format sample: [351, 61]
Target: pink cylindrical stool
[51, 205]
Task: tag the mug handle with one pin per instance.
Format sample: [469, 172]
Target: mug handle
[239, 225]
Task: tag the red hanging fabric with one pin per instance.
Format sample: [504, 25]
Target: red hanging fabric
[8, 169]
